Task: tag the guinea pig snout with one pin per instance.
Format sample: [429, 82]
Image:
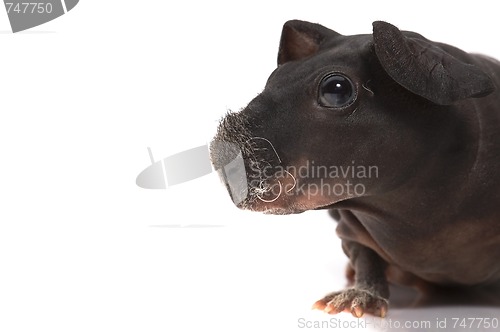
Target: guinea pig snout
[245, 162]
[227, 158]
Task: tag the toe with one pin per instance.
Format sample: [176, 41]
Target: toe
[357, 311]
[383, 309]
[331, 309]
[319, 305]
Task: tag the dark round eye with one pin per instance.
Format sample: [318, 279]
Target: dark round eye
[336, 90]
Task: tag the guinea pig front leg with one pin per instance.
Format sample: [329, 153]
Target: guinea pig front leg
[370, 292]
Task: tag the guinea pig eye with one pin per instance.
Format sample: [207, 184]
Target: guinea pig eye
[336, 90]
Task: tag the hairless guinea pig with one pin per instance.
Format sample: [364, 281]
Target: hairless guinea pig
[397, 135]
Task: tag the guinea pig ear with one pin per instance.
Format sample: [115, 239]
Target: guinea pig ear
[426, 69]
[300, 39]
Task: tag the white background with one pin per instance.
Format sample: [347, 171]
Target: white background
[82, 248]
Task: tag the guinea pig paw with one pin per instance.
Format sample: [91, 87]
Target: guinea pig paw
[355, 301]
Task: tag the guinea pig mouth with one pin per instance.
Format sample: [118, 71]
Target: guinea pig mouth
[266, 179]
[246, 164]
[256, 185]
[248, 177]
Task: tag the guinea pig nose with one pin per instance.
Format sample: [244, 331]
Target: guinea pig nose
[227, 159]
[222, 153]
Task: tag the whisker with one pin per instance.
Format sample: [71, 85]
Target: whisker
[364, 85]
[268, 141]
[274, 199]
[294, 181]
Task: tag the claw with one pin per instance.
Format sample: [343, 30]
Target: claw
[329, 309]
[319, 305]
[357, 311]
[383, 311]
